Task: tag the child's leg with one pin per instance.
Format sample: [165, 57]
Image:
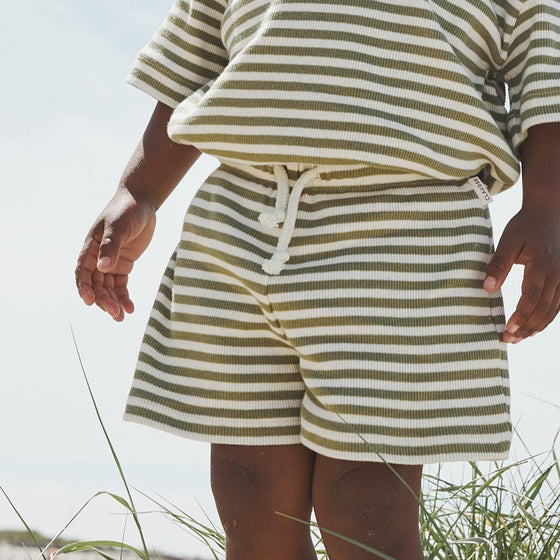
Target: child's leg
[367, 502]
[249, 484]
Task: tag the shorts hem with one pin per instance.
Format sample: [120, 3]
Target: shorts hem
[393, 459]
[213, 438]
[465, 456]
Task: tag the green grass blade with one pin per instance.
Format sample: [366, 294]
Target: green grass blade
[553, 451]
[113, 452]
[29, 530]
[208, 536]
[93, 545]
[478, 490]
[59, 534]
[535, 488]
[86, 549]
[344, 538]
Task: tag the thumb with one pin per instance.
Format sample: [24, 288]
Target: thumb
[110, 247]
[500, 264]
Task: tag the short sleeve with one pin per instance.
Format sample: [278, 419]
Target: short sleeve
[185, 53]
[532, 67]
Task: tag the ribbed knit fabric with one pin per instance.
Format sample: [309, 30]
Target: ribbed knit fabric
[376, 341]
[400, 85]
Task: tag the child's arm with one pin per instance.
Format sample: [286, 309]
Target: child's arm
[125, 227]
[532, 237]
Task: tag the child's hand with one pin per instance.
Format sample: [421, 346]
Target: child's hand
[531, 238]
[117, 238]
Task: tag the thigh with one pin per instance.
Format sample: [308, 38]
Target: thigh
[374, 503]
[252, 485]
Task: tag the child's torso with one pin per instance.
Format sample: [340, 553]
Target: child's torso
[393, 84]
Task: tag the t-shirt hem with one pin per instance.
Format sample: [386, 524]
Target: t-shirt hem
[535, 111]
[151, 91]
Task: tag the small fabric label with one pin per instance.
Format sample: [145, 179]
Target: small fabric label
[481, 190]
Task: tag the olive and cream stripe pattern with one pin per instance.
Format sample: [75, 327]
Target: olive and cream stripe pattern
[376, 342]
[403, 86]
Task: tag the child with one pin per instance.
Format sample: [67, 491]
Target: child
[331, 319]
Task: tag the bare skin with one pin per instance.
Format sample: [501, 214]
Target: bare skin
[367, 502]
[532, 237]
[124, 229]
[250, 484]
[364, 501]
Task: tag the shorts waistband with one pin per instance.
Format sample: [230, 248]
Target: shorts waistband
[343, 175]
[292, 178]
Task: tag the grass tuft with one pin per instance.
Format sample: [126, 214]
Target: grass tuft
[509, 513]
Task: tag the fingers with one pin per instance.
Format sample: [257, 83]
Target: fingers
[530, 239]
[551, 314]
[501, 262]
[102, 273]
[110, 247]
[108, 291]
[538, 305]
[121, 293]
[86, 266]
[530, 304]
[111, 294]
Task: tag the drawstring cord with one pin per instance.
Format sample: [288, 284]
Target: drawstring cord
[285, 210]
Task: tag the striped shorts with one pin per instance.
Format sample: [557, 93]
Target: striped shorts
[313, 305]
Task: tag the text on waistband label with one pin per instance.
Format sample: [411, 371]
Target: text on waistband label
[481, 190]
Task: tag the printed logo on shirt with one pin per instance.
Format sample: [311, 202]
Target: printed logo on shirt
[481, 190]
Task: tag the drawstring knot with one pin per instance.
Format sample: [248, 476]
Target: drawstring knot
[285, 210]
[272, 219]
[276, 263]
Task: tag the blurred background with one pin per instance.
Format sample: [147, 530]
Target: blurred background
[69, 125]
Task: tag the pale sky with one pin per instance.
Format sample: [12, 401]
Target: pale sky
[69, 125]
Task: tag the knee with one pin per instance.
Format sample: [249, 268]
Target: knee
[347, 496]
[228, 476]
[369, 492]
[369, 503]
[248, 495]
[237, 491]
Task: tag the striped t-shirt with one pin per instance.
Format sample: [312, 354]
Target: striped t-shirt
[405, 86]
